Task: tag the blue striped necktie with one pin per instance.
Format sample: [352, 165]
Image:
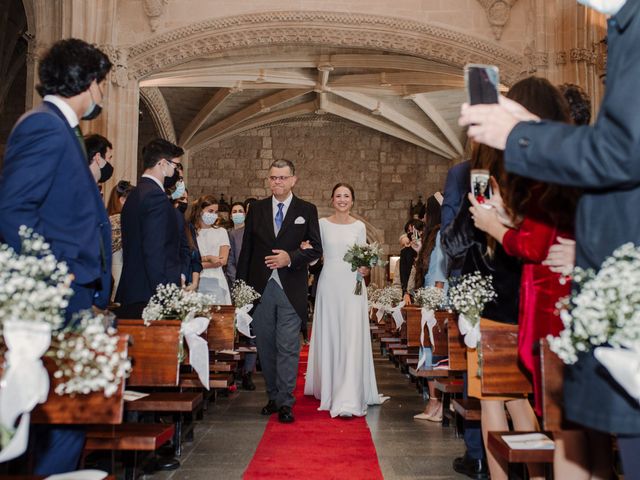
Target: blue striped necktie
[279, 217]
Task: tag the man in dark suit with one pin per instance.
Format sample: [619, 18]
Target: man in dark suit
[46, 185]
[604, 160]
[150, 231]
[272, 262]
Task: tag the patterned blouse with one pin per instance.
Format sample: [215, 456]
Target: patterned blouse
[116, 233]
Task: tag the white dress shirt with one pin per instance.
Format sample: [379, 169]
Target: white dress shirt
[67, 111]
[155, 180]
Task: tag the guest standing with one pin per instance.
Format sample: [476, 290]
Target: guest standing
[118, 196]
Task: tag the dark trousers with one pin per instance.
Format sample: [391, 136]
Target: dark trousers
[131, 310]
[472, 433]
[629, 447]
[277, 328]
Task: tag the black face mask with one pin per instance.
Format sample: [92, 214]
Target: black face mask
[169, 182]
[93, 113]
[105, 172]
[182, 206]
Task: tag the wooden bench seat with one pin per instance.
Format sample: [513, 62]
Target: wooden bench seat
[467, 408]
[429, 373]
[166, 402]
[497, 445]
[128, 436]
[216, 380]
[449, 385]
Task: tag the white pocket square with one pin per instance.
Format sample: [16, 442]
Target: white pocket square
[299, 221]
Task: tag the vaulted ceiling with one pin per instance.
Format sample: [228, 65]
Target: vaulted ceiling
[416, 100]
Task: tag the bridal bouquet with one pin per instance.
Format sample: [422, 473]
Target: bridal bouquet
[367, 255]
[606, 310]
[171, 302]
[468, 296]
[243, 296]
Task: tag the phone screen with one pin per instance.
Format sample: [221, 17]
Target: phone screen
[482, 83]
[480, 184]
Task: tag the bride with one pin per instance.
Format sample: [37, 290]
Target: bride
[340, 369]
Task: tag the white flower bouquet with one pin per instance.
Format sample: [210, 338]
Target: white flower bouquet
[171, 302]
[605, 310]
[367, 255]
[390, 301]
[468, 296]
[243, 296]
[431, 298]
[87, 358]
[34, 285]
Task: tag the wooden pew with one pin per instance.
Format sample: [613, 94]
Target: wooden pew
[154, 354]
[456, 349]
[552, 421]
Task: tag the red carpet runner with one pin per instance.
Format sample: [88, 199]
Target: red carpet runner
[314, 446]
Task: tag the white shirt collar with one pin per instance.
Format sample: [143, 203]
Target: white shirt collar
[287, 202]
[67, 111]
[155, 180]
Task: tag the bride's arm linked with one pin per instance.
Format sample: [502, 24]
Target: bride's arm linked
[300, 258]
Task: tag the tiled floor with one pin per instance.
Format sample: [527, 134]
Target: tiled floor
[407, 449]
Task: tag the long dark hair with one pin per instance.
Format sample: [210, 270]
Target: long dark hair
[546, 101]
[429, 235]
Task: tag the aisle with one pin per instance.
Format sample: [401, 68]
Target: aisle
[315, 446]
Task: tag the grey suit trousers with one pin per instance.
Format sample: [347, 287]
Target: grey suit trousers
[276, 326]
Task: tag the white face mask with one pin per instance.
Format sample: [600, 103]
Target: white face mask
[608, 7]
[209, 218]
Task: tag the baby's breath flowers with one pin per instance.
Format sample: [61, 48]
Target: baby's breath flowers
[468, 296]
[605, 310]
[171, 302]
[431, 298]
[243, 294]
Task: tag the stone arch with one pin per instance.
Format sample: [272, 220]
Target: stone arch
[155, 102]
[319, 29]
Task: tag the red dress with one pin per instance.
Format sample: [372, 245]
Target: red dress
[540, 290]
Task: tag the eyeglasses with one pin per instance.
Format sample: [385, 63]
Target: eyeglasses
[177, 165]
[280, 178]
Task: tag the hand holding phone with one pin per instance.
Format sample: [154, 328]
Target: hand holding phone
[481, 82]
[481, 186]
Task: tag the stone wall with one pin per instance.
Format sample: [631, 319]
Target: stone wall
[386, 173]
[13, 108]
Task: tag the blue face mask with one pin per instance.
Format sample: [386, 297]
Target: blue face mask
[179, 191]
[209, 218]
[238, 218]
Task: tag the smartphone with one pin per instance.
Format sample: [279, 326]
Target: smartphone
[481, 82]
[480, 185]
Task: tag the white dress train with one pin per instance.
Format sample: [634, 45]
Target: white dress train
[340, 371]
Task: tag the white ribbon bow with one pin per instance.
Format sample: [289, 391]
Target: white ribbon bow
[624, 366]
[379, 312]
[25, 382]
[428, 319]
[243, 320]
[470, 331]
[198, 346]
[396, 313]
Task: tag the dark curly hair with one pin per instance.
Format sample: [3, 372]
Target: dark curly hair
[579, 103]
[157, 149]
[69, 67]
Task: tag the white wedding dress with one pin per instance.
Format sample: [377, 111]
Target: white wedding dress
[340, 370]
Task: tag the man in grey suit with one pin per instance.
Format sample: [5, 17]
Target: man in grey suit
[272, 262]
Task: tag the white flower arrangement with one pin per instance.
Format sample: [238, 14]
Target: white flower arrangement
[87, 357]
[606, 310]
[389, 297]
[431, 298]
[373, 292]
[171, 302]
[468, 296]
[34, 285]
[243, 294]
[363, 255]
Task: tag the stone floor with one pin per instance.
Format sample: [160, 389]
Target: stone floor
[407, 449]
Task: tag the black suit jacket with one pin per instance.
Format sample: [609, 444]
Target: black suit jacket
[259, 240]
[150, 243]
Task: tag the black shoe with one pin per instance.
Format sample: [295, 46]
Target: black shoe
[269, 408]
[473, 468]
[285, 415]
[162, 463]
[247, 383]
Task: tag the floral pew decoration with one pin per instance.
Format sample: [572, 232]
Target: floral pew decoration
[390, 302]
[429, 299]
[373, 292]
[604, 315]
[34, 292]
[171, 302]
[243, 297]
[468, 296]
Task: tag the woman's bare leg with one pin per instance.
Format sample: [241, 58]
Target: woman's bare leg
[524, 420]
[494, 419]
